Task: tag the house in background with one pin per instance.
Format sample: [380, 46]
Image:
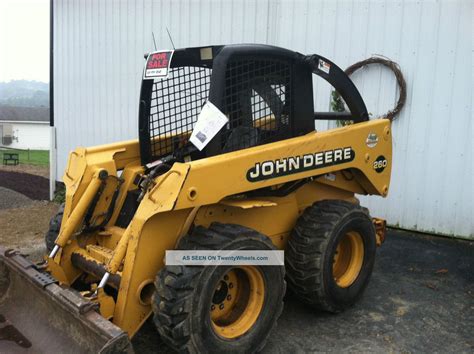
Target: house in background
[24, 127]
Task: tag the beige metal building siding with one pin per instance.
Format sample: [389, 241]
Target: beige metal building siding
[98, 60]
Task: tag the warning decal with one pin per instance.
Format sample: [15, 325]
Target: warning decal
[323, 66]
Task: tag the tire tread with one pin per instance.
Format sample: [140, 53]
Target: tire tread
[175, 285]
[307, 246]
[54, 228]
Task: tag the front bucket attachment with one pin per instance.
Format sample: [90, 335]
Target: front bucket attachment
[39, 316]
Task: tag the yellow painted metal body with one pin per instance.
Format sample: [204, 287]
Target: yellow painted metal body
[201, 192]
[78, 213]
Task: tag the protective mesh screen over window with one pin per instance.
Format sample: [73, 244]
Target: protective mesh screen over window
[175, 106]
[257, 103]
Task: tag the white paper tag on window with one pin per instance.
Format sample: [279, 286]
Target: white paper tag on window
[210, 121]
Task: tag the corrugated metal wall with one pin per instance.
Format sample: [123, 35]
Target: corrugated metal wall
[98, 65]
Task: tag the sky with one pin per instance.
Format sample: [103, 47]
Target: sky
[24, 40]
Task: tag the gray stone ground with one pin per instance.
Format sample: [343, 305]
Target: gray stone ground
[10, 199]
[420, 300]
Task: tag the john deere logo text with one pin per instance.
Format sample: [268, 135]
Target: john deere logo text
[289, 165]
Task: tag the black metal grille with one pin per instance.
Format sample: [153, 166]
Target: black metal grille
[257, 103]
[175, 106]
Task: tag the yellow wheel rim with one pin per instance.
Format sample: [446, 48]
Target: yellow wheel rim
[237, 301]
[348, 259]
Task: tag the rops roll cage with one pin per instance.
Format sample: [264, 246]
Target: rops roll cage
[239, 80]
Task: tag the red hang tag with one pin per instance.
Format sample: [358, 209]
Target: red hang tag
[158, 64]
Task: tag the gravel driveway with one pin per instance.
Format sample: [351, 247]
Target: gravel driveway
[23, 222]
[10, 199]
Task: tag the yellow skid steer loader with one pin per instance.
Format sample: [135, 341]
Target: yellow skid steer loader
[227, 158]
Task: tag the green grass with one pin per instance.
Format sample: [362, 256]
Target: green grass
[31, 157]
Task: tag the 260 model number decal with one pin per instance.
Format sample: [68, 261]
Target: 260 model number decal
[380, 163]
[296, 164]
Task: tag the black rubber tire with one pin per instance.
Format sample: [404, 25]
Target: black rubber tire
[54, 227]
[311, 248]
[183, 294]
